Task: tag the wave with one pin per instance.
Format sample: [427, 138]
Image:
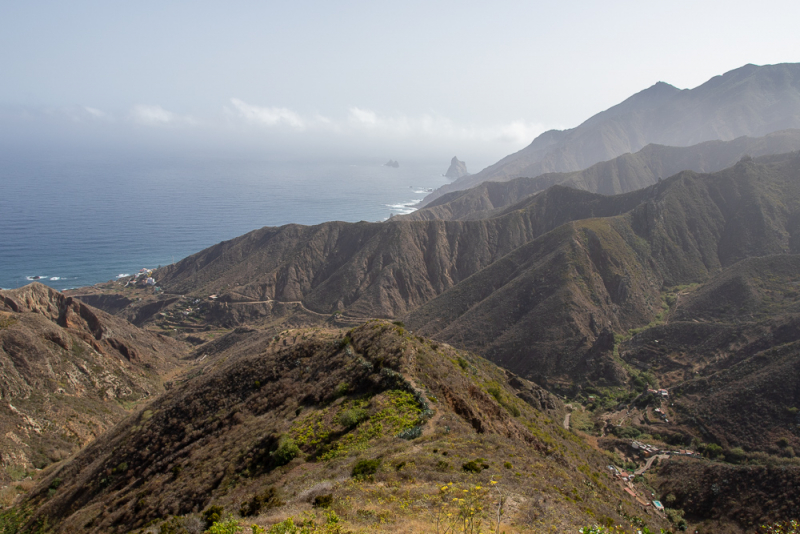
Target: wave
[55, 278]
[404, 208]
[35, 278]
[123, 275]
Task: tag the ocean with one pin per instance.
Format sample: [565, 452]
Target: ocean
[72, 220]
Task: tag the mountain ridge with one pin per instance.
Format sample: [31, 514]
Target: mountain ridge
[751, 100]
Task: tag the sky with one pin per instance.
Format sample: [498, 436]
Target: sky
[428, 79]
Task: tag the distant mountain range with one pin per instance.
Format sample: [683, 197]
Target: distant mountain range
[622, 174]
[748, 101]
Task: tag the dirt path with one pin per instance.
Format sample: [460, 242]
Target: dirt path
[567, 417]
[298, 302]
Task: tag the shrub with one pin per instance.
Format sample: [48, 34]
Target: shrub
[229, 526]
[212, 515]
[262, 501]
[352, 417]
[344, 342]
[411, 433]
[442, 465]
[627, 432]
[736, 455]
[676, 518]
[286, 452]
[323, 501]
[713, 450]
[791, 526]
[475, 466]
[365, 468]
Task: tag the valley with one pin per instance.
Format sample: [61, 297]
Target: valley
[610, 339]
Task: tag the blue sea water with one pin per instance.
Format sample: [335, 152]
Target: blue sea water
[78, 219]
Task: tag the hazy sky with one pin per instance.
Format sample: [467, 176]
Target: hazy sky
[476, 79]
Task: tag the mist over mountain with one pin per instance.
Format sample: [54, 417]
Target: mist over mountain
[619, 175]
[749, 101]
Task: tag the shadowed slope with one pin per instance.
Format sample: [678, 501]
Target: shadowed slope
[543, 307]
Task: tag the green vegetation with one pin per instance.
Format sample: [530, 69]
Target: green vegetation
[262, 501]
[7, 320]
[212, 515]
[352, 417]
[475, 466]
[228, 526]
[467, 510]
[791, 526]
[363, 469]
[286, 452]
[391, 413]
[494, 389]
[305, 526]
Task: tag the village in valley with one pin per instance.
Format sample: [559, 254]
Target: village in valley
[632, 452]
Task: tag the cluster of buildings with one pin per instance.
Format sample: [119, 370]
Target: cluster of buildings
[627, 480]
[660, 392]
[647, 450]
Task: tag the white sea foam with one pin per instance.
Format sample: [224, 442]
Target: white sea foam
[35, 278]
[404, 208]
[123, 275]
[55, 278]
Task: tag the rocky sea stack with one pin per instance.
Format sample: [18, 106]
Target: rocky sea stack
[457, 169]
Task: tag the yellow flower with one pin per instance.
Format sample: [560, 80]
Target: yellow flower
[494, 482]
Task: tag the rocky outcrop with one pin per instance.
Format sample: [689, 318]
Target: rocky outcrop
[67, 370]
[457, 169]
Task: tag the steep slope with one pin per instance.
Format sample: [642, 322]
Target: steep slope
[749, 495]
[283, 422]
[612, 267]
[542, 309]
[730, 354]
[625, 173]
[69, 372]
[751, 100]
[370, 269]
